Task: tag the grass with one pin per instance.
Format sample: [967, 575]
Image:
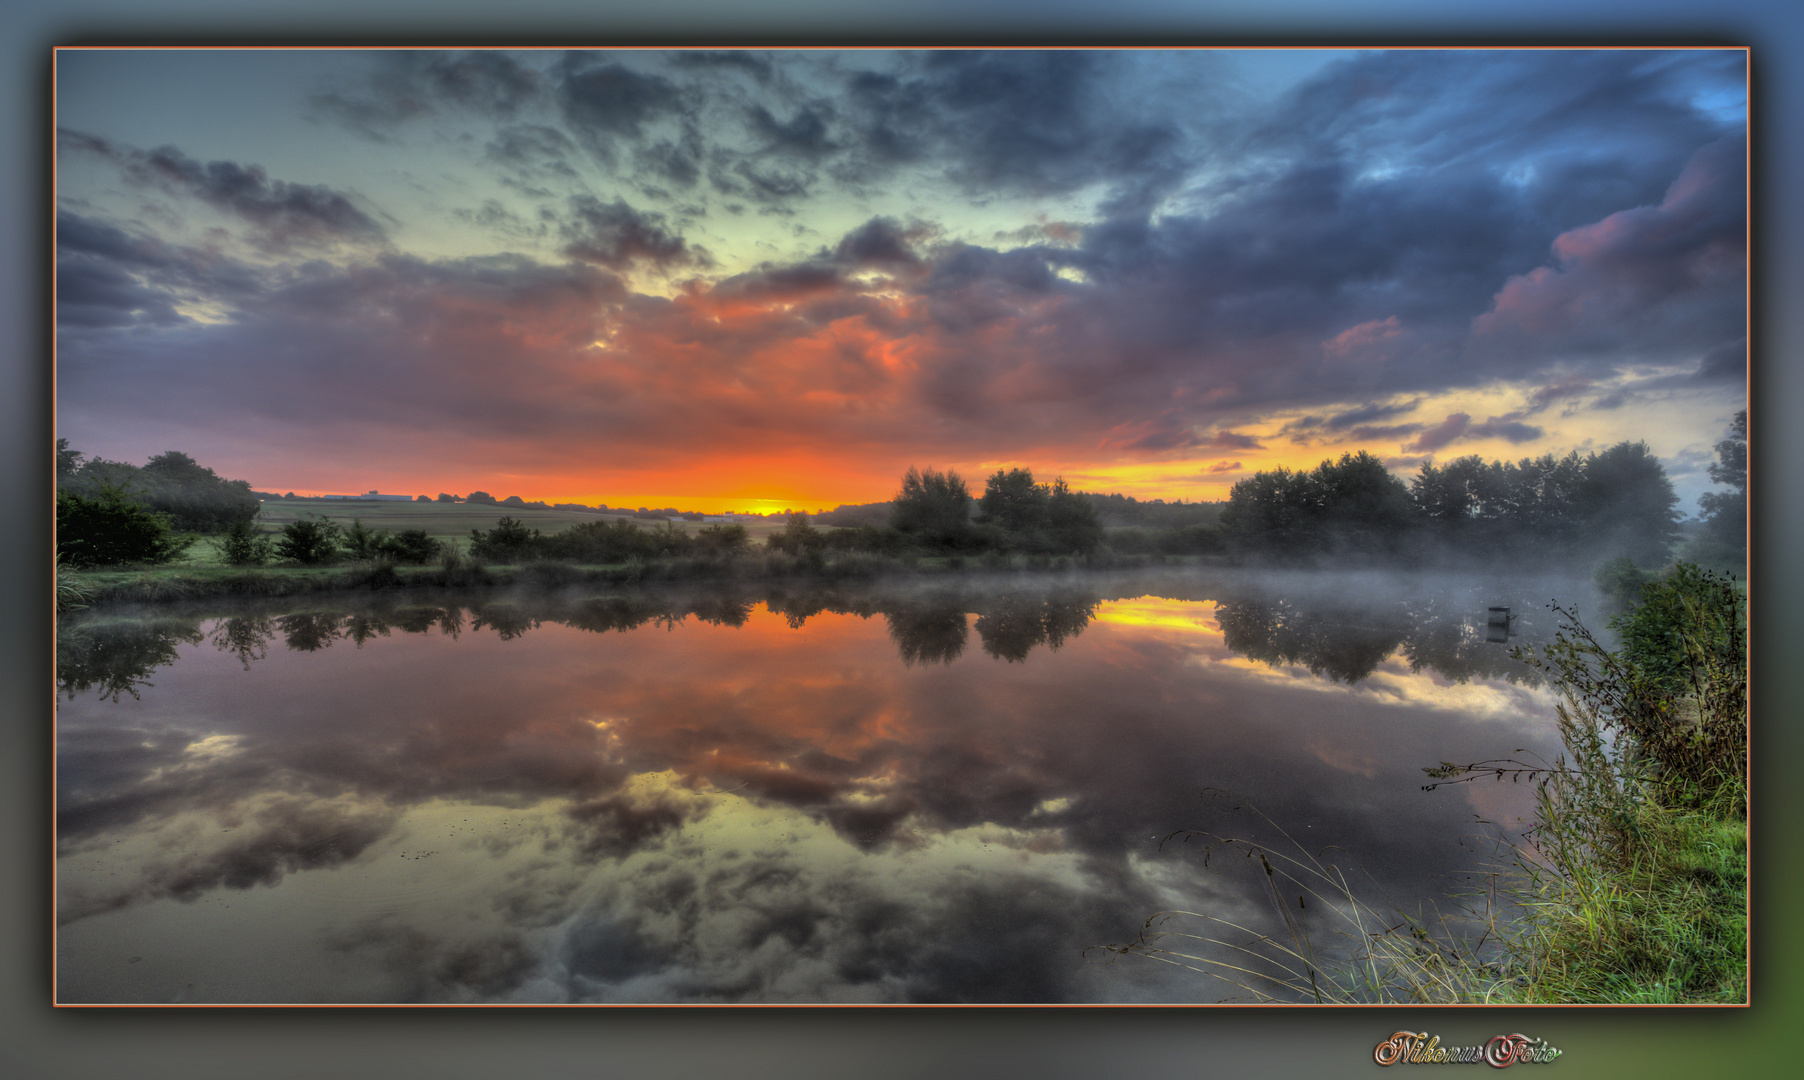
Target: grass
[1343, 942]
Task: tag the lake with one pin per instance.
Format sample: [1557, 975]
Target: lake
[946, 790]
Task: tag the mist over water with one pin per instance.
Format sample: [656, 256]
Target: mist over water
[939, 793]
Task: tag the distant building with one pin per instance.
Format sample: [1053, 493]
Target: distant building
[372, 496]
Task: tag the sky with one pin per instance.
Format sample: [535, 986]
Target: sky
[757, 280]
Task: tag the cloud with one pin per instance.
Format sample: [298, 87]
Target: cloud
[608, 105]
[617, 236]
[107, 277]
[1282, 250]
[409, 84]
[1667, 278]
[286, 838]
[284, 214]
[1443, 433]
[1542, 397]
[1375, 432]
[1726, 362]
[1363, 341]
[1224, 466]
[1459, 426]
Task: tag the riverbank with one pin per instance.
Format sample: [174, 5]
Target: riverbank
[201, 580]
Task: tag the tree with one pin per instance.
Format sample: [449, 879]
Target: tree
[422, 498]
[362, 542]
[67, 461]
[481, 497]
[309, 541]
[1448, 498]
[410, 546]
[1071, 521]
[243, 545]
[725, 538]
[798, 536]
[1628, 505]
[109, 528]
[508, 541]
[933, 506]
[1726, 512]
[444, 498]
[1272, 514]
[1012, 501]
[1363, 509]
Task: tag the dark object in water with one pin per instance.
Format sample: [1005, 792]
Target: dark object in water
[1497, 626]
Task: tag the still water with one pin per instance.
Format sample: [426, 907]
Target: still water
[944, 793]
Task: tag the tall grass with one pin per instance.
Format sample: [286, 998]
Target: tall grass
[1343, 940]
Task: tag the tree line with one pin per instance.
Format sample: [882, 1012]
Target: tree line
[1600, 506]
[113, 512]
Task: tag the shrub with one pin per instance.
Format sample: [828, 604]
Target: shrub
[724, 539]
[508, 541]
[243, 545]
[364, 543]
[414, 546]
[310, 541]
[111, 529]
[797, 537]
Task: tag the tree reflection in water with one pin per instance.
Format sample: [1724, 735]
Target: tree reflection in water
[1333, 638]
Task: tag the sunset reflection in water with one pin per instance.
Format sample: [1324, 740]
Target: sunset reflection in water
[928, 799]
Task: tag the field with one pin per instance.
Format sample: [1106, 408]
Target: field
[443, 521]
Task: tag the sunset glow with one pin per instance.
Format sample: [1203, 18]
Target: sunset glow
[776, 280]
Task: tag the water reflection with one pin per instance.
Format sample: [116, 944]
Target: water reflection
[1336, 637]
[798, 795]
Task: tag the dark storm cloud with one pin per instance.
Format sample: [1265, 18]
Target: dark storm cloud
[881, 242]
[1727, 361]
[1664, 278]
[754, 64]
[283, 213]
[1035, 122]
[617, 236]
[1571, 136]
[803, 135]
[107, 277]
[1343, 262]
[416, 83]
[93, 294]
[604, 102]
[532, 153]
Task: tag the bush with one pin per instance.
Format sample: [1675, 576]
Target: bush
[243, 545]
[1621, 582]
[724, 539]
[111, 529]
[414, 546]
[508, 541]
[600, 542]
[363, 543]
[798, 536]
[310, 541]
